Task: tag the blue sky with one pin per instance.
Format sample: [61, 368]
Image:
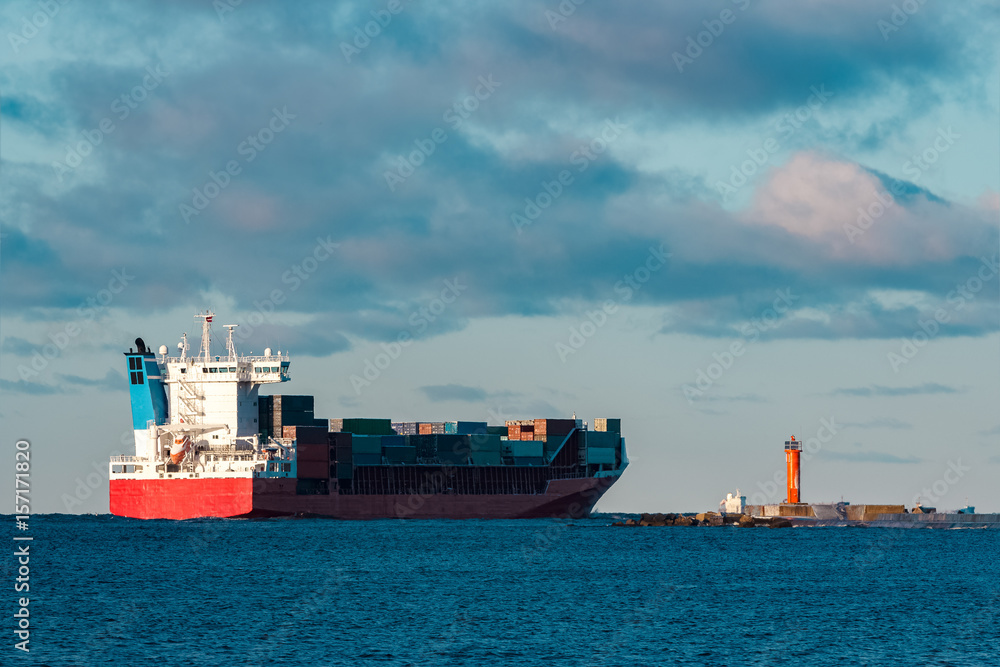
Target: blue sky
[722, 222]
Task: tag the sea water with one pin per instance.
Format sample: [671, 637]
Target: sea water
[108, 590]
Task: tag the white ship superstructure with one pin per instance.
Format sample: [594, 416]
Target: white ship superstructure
[196, 416]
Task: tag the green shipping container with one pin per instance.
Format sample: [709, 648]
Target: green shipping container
[484, 443]
[600, 455]
[527, 448]
[367, 444]
[360, 426]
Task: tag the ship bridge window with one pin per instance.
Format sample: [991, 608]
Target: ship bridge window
[213, 370]
[135, 377]
[222, 370]
[274, 369]
[133, 363]
[204, 370]
[232, 369]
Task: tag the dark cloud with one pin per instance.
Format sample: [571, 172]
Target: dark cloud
[17, 346]
[322, 176]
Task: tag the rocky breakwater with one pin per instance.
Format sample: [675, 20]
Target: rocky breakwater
[705, 519]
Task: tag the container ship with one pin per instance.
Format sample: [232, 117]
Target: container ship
[208, 444]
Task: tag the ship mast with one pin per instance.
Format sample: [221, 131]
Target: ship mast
[206, 334]
[230, 345]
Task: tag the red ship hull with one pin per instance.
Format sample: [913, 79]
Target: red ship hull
[245, 497]
[181, 498]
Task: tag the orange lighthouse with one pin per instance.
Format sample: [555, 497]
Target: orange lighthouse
[793, 449]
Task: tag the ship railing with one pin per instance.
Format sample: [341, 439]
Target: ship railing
[128, 459]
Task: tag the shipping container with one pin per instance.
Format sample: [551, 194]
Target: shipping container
[600, 455]
[337, 439]
[424, 428]
[336, 425]
[486, 458]
[345, 471]
[292, 402]
[426, 445]
[484, 443]
[469, 428]
[302, 434]
[502, 431]
[405, 428]
[361, 426]
[312, 470]
[404, 454]
[437, 428]
[450, 427]
[312, 452]
[608, 425]
[367, 459]
[603, 439]
[453, 458]
[529, 461]
[527, 448]
[367, 444]
[554, 426]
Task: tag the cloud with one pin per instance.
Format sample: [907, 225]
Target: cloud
[17, 346]
[878, 390]
[112, 381]
[867, 457]
[324, 174]
[453, 392]
[25, 387]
